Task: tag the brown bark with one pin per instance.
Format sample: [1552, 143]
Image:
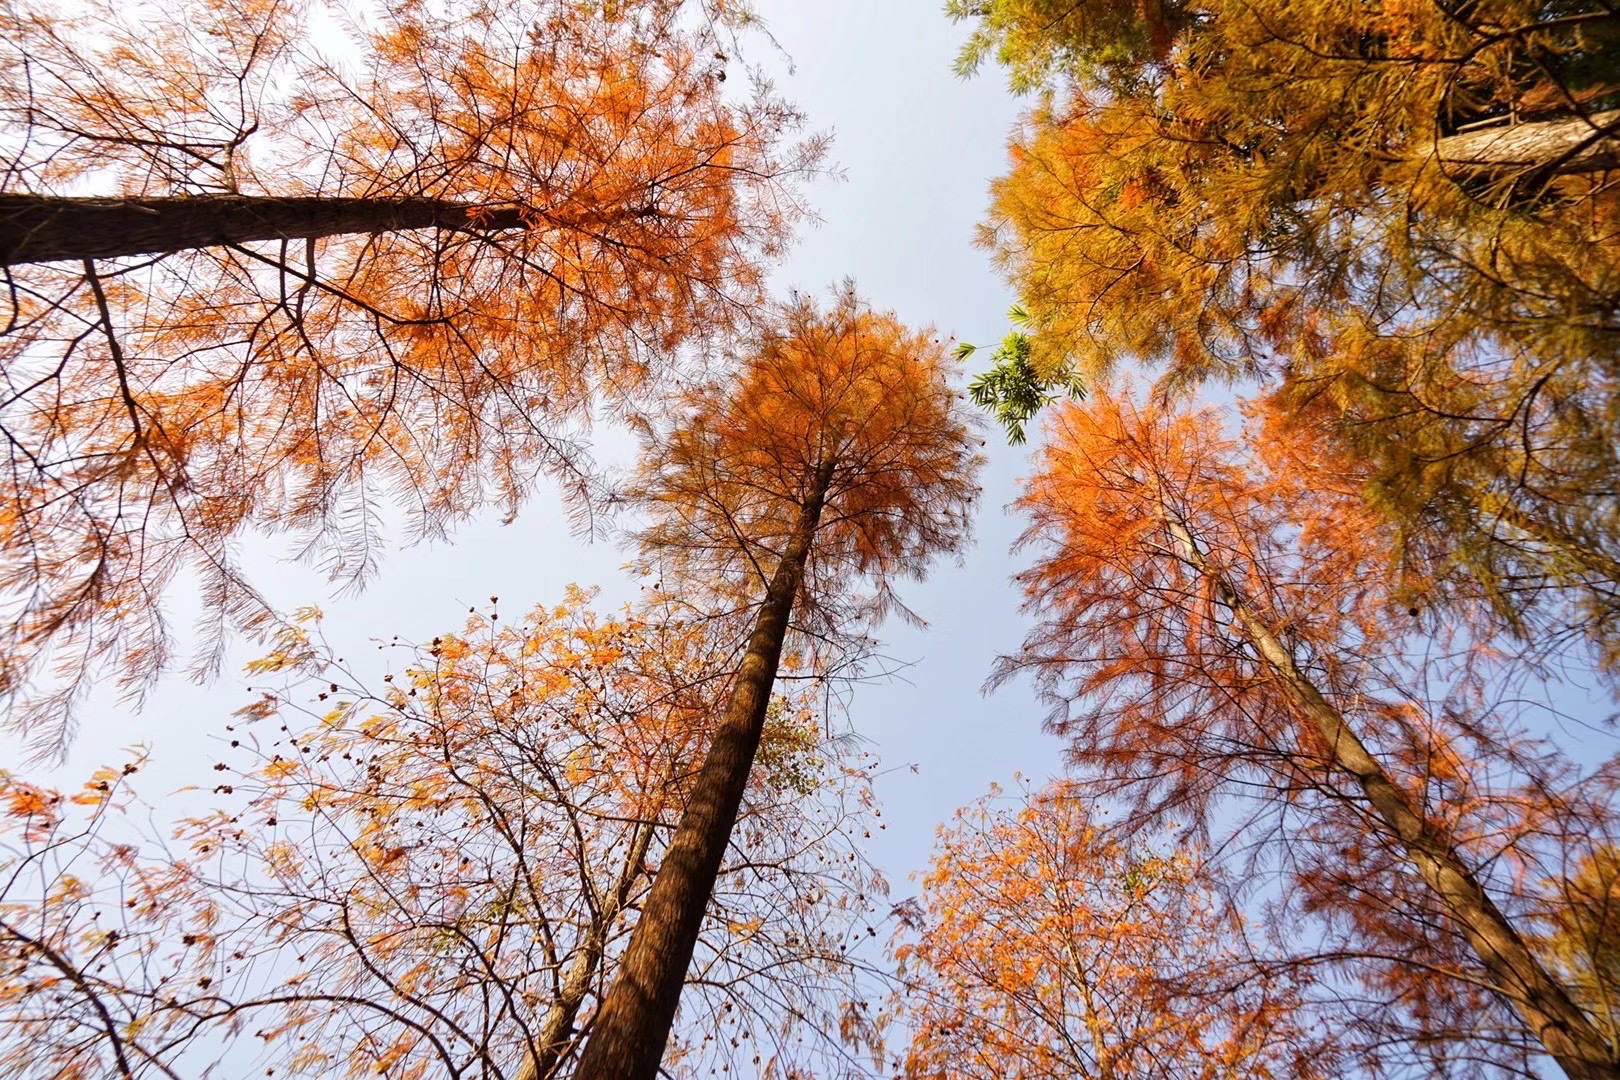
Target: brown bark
[631, 1029]
[45, 228]
[1573, 144]
[552, 1039]
[1564, 1029]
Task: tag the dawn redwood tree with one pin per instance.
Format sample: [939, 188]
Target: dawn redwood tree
[1044, 945]
[251, 287]
[437, 877]
[1405, 211]
[837, 460]
[1583, 936]
[1220, 643]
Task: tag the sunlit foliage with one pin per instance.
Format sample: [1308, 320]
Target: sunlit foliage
[437, 877]
[390, 282]
[837, 462]
[1404, 214]
[1045, 947]
[1220, 644]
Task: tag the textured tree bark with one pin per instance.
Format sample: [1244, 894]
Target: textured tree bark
[541, 1061]
[44, 228]
[1575, 144]
[1564, 1029]
[631, 1029]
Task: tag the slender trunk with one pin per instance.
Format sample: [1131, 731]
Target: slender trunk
[1573, 144]
[1563, 1028]
[552, 1038]
[44, 228]
[1095, 1022]
[1573, 552]
[1159, 32]
[628, 1036]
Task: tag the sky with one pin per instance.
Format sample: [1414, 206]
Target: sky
[918, 147]
[915, 147]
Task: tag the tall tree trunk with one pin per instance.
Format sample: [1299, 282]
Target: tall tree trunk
[628, 1036]
[1572, 144]
[45, 228]
[1564, 1029]
[552, 1038]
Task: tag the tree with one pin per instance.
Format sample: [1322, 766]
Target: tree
[1221, 646]
[1043, 946]
[1403, 213]
[837, 461]
[252, 288]
[1012, 391]
[438, 878]
[1582, 936]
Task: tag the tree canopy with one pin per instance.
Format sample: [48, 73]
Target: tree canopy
[1045, 945]
[1404, 215]
[838, 461]
[1222, 648]
[254, 287]
[436, 875]
[1329, 794]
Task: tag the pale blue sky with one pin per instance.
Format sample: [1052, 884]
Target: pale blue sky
[917, 147]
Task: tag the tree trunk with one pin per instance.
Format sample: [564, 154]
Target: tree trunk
[628, 1036]
[1572, 551]
[44, 228]
[552, 1039]
[1573, 144]
[1563, 1028]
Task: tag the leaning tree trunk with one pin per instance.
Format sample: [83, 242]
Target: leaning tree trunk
[630, 1030]
[1571, 144]
[47, 228]
[1563, 1028]
[540, 1061]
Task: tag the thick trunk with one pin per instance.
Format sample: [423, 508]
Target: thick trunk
[1574, 144]
[552, 1039]
[44, 228]
[1541, 1001]
[628, 1036]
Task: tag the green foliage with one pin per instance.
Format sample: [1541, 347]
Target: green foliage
[1013, 391]
[790, 750]
[1039, 40]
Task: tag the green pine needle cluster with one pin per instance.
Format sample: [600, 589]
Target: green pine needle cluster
[1012, 391]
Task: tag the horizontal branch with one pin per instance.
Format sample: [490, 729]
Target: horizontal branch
[46, 228]
[1572, 144]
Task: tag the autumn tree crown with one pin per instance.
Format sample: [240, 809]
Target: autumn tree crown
[847, 405]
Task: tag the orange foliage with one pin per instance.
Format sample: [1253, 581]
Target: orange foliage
[1049, 948]
[838, 460]
[1206, 619]
[1403, 213]
[439, 875]
[850, 389]
[615, 201]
